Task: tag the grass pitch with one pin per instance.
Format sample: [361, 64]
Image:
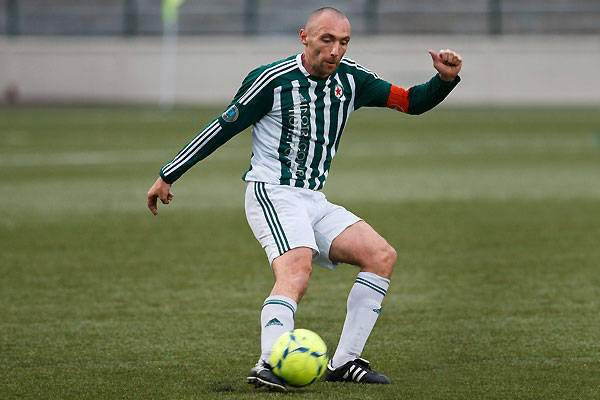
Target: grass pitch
[495, 215]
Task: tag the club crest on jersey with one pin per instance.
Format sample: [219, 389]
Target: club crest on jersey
[231, 114]
[338, 91]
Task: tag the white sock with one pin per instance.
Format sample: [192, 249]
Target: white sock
[364, 306]
[276, 318]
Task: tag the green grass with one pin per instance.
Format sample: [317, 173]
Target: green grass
[495, 215]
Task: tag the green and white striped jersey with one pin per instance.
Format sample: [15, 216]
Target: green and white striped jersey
[297, 121]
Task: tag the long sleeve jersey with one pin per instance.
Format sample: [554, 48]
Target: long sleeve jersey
[297, 120]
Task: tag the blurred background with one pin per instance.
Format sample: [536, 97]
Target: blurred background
[491, 200]
[126, 51]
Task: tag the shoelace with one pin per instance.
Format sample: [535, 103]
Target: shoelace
[364, 363]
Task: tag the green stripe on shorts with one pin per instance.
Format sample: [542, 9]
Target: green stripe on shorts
[287, 245]
[271, 218]
[258, 198]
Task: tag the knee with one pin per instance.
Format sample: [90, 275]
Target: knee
[300, 277]
[384, 261]
[294, 284]
[388, 259]
[292, 274]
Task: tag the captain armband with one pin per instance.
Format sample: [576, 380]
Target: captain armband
[398, 99]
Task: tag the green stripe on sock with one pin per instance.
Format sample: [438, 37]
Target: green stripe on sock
[371, 285]
[281, 303]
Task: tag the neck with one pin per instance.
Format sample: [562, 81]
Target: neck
[309, 68]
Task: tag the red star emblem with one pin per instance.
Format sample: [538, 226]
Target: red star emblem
[338, 91]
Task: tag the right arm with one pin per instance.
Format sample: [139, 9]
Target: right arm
[240, 114]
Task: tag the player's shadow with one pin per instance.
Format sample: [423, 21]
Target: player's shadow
[225, 388]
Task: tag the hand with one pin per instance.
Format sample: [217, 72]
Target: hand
[447, 63]
[160, 190]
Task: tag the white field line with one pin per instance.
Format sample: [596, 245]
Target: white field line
[106, 157]
[463, 147]
[352, 149]
[81, 158]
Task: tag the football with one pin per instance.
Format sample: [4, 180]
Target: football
[299, 357]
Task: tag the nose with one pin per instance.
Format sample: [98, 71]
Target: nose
[335, 50]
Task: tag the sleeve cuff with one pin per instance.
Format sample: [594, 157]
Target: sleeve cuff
[444, 83]
[164, 178]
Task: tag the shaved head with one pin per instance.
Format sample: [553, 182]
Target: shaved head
[314, 16]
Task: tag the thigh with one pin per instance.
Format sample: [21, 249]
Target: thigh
[334, 220]
[359, 245]
[277, 220]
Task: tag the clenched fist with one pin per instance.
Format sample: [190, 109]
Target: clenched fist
[447, 63]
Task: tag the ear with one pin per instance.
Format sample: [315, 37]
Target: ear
[304, 37]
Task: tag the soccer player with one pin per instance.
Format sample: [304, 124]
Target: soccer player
[298, 108]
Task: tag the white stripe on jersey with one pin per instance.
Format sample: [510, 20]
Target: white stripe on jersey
[267, 76]
[353, 88]
[340, 116]
[353, 63]
[265, 155]
[285, 71]
[326, 125]
[313, 128]
[264, 75]
[297, 133]
[193, 147]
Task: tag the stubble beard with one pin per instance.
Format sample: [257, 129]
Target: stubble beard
[326, 69]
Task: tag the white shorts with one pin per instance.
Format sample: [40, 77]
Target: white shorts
[285, 217]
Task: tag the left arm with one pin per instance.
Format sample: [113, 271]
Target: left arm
[421, 98]
[375, 92]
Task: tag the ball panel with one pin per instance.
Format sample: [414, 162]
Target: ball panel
[299, 357]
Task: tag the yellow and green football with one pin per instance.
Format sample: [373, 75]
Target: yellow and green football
[299, 357]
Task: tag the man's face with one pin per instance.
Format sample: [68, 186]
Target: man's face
[326, 39]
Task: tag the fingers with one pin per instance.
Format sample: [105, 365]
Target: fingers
[446, 57]
[448, 63]
[166, 199]
[152, 203]
[450, 58]
[160, 190]
[434, 55]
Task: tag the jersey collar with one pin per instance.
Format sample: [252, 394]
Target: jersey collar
[307, 74]
[299, 62]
